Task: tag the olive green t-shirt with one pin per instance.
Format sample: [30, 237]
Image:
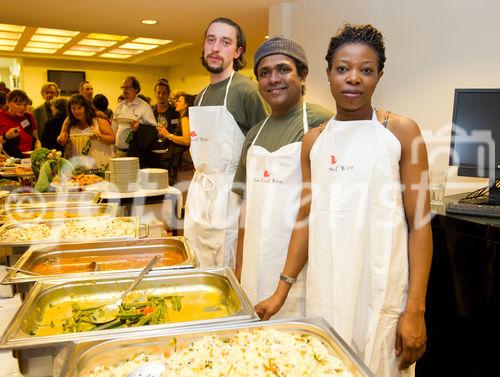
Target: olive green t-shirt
[278, 132]
[243, 100]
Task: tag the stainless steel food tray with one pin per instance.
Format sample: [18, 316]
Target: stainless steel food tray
[87, 252]
[55, 223]
[83, 356]
[56, 211]
[50, 198]
[193, 284]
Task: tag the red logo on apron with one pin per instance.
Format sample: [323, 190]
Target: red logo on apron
[333, 160]
[266, 173]
[193, 133]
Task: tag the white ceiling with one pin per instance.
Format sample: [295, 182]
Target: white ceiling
[184, 22]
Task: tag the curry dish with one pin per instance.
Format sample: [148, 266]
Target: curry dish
[66, 264]
[139, 309]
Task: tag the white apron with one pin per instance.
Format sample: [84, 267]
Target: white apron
[357, 277]
[273, 186]
[212, 209]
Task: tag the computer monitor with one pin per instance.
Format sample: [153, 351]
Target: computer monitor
[474, 135]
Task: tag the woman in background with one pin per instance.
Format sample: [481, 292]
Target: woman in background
[18, 128]
[101, 103]
[178, 135]
[53, 125]
[89, 140]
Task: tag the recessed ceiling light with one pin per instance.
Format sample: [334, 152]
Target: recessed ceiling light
[96, 42]
[62, 33]
[115, 56]
[78, 53]
[8, 42]
[7, 48]
[9, 35]
[107, 37]
[138, 46]
[14, 28]
[44, 44]
[87, 48]
[40, 50]
[126, 51]
[50, 39]
[153, 41]
[149, 22]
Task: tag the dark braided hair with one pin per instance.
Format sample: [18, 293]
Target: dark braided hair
[364, 34]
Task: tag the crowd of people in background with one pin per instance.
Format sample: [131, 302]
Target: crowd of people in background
[89, 132]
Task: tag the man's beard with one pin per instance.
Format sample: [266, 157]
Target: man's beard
[210, 68]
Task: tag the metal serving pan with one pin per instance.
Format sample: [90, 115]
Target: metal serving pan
[73, 260]
[51, 198]
[208, 296]
[83, 356]
[10, 247]
[57, 211]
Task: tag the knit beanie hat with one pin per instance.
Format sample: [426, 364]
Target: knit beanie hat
[279, 45]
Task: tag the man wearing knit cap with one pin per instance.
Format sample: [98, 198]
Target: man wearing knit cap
[269, 177]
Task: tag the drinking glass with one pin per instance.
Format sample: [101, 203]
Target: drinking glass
[437, 186]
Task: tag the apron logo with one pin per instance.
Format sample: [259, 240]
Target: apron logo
[193, 134]
[195, 137]
[335, 168]
[266, 178]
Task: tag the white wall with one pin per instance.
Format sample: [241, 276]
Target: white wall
[432, 47]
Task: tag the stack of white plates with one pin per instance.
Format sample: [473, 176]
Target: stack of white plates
[124, 173]
[154, 179]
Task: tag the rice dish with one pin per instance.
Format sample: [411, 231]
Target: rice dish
[266, 352]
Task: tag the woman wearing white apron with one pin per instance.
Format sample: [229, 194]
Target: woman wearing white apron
[369, 240]
[212, 210]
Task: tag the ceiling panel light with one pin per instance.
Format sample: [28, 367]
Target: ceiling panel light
[9, 35]
[107, 37]
[78, 53]
[138, 46]
[125, 51]
[63, 33]
[50, 39]
[149, 22]
[7, 48]
[38, 50]
[96, 42]
[8, 42]
[87, 48]
[115, 56]
[152, 41]
[14, 28]
[44, 44]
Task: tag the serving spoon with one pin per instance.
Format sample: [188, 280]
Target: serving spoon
[22, 271]
[109, 312]
[151, 369]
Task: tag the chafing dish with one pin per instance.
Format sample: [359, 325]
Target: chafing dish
[209, 296]
[83, 356]
[50, 198]
[56, 211]
[9, 247]
[73, 260]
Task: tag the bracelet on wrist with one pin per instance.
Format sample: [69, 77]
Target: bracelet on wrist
[287, 279]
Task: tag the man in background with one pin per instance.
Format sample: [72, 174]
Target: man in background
[86, 89]
[43, 112]
[129, 114]
[222, 115]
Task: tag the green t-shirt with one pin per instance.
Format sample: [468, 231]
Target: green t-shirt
[278, 132]
[243, 100]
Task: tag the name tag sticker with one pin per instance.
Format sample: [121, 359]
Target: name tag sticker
[175, 121]
[25, 123]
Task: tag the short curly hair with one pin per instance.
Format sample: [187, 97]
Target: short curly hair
[363, 34]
